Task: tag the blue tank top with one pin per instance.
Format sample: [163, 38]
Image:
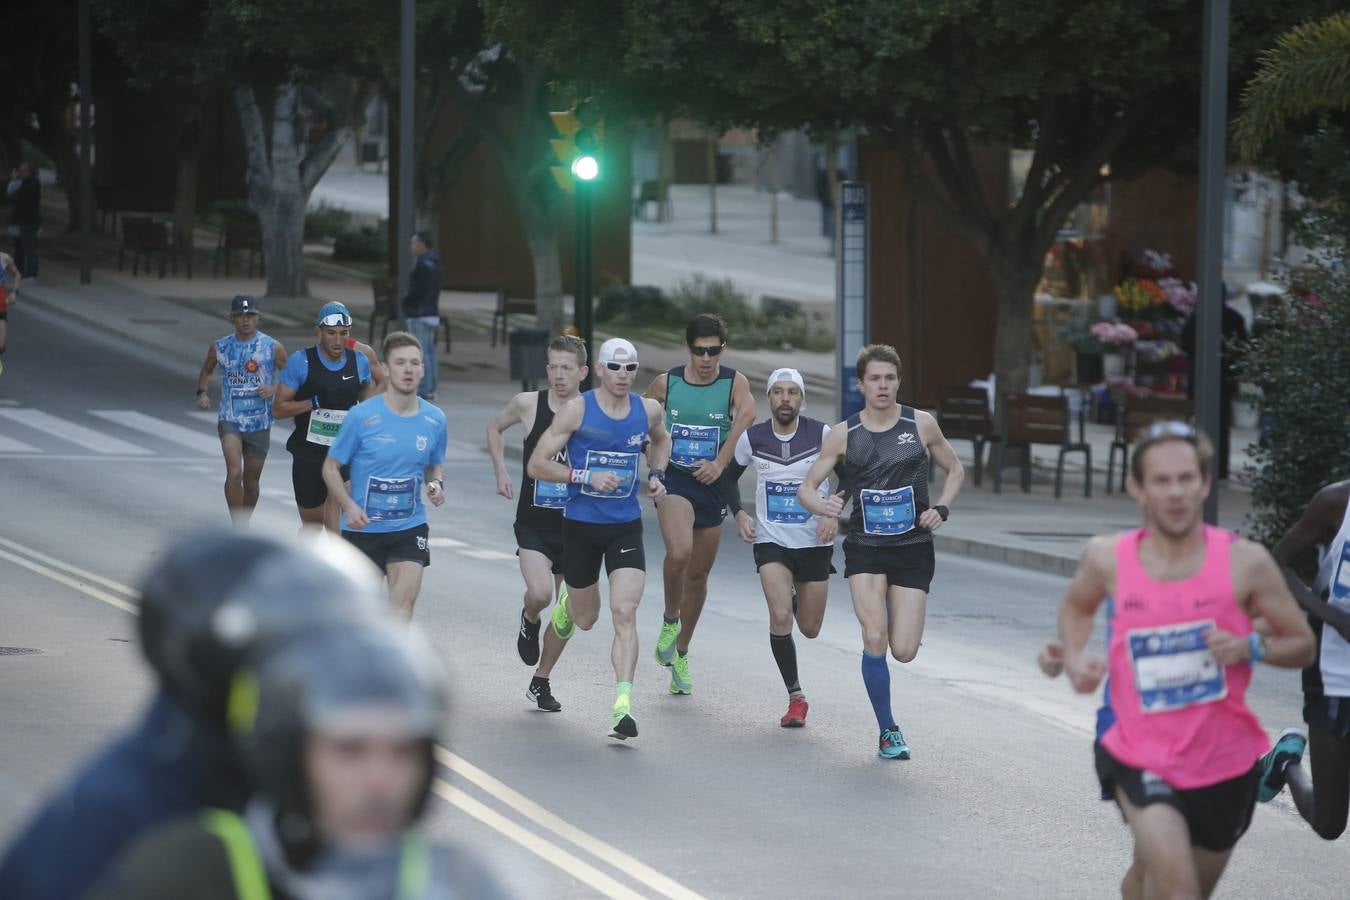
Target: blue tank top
[603, 444]
[245, 367]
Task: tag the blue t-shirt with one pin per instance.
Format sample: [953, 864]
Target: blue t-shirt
[246, 366]
[297, 368]
[389, 454]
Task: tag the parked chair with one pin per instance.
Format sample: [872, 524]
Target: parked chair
[963, 414]
[1032, 419]
[385, 308]
[654, 192]
[1136, 414]
[506, 308]
[242, 237]
[145, 237]
[131, 237]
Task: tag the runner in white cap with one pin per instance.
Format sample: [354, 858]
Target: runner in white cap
[792, 547]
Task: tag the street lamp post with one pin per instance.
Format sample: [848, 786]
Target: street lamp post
[86, 163]
[404, 226]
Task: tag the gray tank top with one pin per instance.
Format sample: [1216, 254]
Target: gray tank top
[887, 474]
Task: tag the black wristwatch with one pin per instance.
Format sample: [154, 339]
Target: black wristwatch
[943, 511]
[658, 474]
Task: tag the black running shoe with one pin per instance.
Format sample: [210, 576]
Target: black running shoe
[527, 641]
[539, 692]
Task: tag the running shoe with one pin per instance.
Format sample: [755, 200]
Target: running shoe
[622, 725]
[1288, 749]
[539, 692]
[562, 622]
[665, 643]
[795, 717]
[680, 682]
[527, 642]
[892, 745]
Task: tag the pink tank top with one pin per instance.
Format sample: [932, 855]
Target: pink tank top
[1178, 714]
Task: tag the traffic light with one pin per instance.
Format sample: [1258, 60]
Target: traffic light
[581, 132]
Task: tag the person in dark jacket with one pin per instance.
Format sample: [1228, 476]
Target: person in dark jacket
[421, 307]
[25, 215]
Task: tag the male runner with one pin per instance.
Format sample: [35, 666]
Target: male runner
[395, 446]
[317, 389]
[249, 361]
[1324, 799]
[539, 511]
[888, 553]
[604, 431]
[708, 408]
[792, 547]
[1182, 757]
[9, 291]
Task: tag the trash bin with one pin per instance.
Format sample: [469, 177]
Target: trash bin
[529, 356]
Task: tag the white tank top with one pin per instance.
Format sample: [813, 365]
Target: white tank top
[1333, 577]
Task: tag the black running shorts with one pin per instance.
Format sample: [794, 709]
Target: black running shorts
[547, 541]
[910, 566]
[307, 479]
[709, 506]
[1329, 715]
[387, 547]
[587, 544]
[805, 563]
[1217, 815]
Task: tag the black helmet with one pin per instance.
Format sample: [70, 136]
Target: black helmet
[217, 597]
[384, 677]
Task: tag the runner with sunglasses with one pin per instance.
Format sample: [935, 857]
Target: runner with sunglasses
[708, 407]
[317, 389]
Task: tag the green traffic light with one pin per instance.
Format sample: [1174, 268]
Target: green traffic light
[586, 168]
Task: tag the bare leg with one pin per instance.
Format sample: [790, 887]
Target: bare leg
[405, 583]
[233, 450]
[625, 593]
[676, 516]
[1324, 799]
[811, 597]
[908, 610]
[1162, 843]
[869, 605]
[701, 559]
[777, 583]
[536, 570]
[253, 466]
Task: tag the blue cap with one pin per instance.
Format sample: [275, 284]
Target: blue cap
[333, 315]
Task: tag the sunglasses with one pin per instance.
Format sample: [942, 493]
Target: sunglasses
[335, 320]
[706, 351]
[621, 367]
[1169, 429]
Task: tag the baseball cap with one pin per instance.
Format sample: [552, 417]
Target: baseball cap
[244, 304]
[617, 350]
[333, 315]
[786, 374]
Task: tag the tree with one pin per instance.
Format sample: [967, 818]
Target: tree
[1097, 90]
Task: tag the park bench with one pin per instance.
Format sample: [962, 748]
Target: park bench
[1136, 414]
[1030, 419]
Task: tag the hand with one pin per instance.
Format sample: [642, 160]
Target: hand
[656, 489]
[745, 526]
[604, 481]
[930, 519]
[504, 487]
[1228, 649]
[835, 505]
[434, 493]
[1051, 659]
[203, 401]
[1085, 672]
[356, 516]
[709, 471]
[267, 391]
[826, 528]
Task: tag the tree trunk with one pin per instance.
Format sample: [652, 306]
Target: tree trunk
[185, 184]
[1015, 276]
[712, 183]
[773, 192]
[541, 236]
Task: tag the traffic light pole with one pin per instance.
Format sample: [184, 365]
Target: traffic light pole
[581, 312]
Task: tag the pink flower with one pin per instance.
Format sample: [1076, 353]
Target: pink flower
[1179, 294]
[1114, 333]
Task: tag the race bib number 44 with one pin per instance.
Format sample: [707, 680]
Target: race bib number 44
[887, 512]
[624, 465]
[1173, 668]
[324, 425]
[780, 503]
[693, 444]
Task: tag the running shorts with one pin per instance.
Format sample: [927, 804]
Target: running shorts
[256, 443]
[910, 566]
[587, 544]
[548, 541]
[805, 563]
[709, 506]
[385, 547]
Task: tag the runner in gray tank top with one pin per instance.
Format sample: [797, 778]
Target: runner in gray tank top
[888, 554]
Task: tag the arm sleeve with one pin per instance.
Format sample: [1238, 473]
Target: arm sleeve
[296, 370]
[349, 436]
[731, 488]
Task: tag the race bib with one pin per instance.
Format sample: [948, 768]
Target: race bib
[887, 512]
[780, 503]
[245, 403]
[324, 425]
[390, 499]
[624, 465]
[693, 444]
[1173, 668]
[550, 495]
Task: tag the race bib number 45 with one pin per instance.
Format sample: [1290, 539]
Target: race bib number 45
[887, 512]
[624, 465]
[693, 444]
[390, 499]
[1173, 668]
[324, 425]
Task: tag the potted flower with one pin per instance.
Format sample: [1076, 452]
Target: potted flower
[1115, 339]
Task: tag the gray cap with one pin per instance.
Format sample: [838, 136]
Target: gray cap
[244, 304]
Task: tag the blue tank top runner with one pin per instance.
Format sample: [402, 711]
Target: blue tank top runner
[604, 444]
[244, 368]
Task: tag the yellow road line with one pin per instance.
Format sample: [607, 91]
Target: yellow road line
[574, 866]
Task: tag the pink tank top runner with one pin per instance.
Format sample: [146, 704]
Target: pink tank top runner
[1178, 714]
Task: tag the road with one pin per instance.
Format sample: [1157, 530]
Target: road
[712, 800]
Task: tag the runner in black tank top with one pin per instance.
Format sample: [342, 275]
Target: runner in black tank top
[539, 507]
[888, 554]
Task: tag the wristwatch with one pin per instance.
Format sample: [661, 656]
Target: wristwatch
[439, 482]
[658, 474]
[1256, 644]
[943, 511]
[202, 391]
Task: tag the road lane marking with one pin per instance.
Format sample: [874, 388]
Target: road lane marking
[79, 578]
[10, 445]
[488, 554]
[89, 438]
[167, 431]
[445, 542]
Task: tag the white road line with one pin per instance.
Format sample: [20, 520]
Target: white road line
[141, 457]
[174, 434]
[488, 554]
[279, 431]
[65, 579]
[73, 432]
[10, 445]
[446, 542]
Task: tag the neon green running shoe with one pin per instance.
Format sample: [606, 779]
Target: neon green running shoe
[680, 683]
[562, 622]
[665, 643]
[622, 725]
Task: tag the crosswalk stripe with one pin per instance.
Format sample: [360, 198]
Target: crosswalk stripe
[73, 432]
[176, 434]
[9, 445]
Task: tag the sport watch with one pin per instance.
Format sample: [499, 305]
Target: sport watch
[942, 511]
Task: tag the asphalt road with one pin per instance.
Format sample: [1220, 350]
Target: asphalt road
[713, 799]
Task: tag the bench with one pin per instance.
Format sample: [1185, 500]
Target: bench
[963, 414]
[244, 237]
[1135, 415]
[145, 237]
[506, 308]
[386, 310]
[653, 192]
[1031, 419]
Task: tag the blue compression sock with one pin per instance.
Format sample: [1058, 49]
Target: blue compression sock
[877, 677]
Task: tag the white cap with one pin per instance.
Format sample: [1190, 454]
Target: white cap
[617, 350]
[786, 374]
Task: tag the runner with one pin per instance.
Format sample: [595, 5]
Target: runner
[708, 407]
[249, 361]
[792, 548]
[1324, 798]
[1182, 757]
[317, 388]
[9, 292]
[888, 553]
[394, 444]
[603, 431]
[539, 509]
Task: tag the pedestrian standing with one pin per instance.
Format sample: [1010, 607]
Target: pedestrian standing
[421, 307]
[25, 215]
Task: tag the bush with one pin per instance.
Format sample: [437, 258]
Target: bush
[702, 294]
[636, 305]
[368, 244]
[1301, 362]
[326, 223]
